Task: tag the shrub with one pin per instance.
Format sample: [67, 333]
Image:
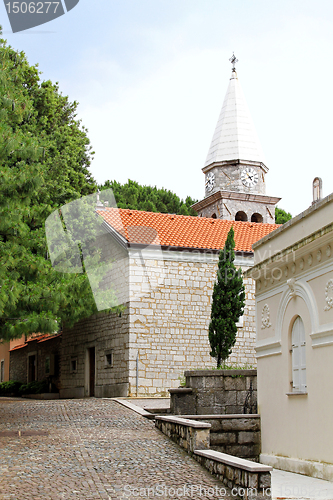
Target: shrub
[34, 388]
[10, 388]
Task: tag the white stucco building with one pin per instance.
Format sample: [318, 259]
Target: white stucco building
[294, 307]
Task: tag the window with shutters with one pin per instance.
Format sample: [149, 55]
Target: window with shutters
[298, 356]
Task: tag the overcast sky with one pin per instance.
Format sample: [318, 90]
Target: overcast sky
[151, 76]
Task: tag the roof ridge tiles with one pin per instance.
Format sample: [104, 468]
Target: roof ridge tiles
[183, 231]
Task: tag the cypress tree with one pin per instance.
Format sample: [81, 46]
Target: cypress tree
[227, 304]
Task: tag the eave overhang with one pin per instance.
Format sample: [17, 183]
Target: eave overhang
[233, 195]
[234, 162]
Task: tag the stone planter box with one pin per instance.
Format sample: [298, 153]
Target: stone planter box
[216, 392]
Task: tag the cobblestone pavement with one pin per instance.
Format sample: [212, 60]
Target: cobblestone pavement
[93, 449]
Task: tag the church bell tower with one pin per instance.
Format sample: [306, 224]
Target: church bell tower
[235, 167]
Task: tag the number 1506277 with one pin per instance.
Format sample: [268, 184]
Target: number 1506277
[32, 7]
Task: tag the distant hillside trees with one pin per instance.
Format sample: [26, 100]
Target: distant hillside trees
[281, 216]
[134, 196]
[151, 199]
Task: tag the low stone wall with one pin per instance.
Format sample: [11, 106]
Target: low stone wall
[245, 478]
[236, 435]
[249, 480]
[188, 434]
[216, 392]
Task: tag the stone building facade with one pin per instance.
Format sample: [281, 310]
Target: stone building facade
[95, 357]
[163, 330]
[36, 359]
[163, 273]
[238, 206]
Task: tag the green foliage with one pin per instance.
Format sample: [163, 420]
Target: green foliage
[10, 388]
[44, 161]
[14, 388]
[233, 366]
[34, 388]
[150, 199]
[227, 303]
[281, 216]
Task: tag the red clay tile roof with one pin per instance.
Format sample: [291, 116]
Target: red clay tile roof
[36, 337]
[18, 347]
[182, 230]
[49, 337]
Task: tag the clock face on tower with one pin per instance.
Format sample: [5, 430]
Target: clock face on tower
[210, 181]
[249, 177]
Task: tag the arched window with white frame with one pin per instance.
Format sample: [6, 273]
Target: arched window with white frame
[298, 356]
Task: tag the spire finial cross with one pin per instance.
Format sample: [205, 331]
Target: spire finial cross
[233, 61]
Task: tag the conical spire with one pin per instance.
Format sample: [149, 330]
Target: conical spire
[235, 137]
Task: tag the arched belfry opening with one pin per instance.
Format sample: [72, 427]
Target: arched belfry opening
[256, 218]
[241, 216]
[214, 216]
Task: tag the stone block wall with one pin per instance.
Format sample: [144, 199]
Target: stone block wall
[244, 477]
[237, 435]
[18, 369]
[244, 482]
[216, 392]
[169, 322]
[228, 178]
[107, 333]
[188, 434]
[164, 329]
[115, 271]
[226, 208]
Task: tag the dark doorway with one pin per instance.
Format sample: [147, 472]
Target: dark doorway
[92, 372]
[32, 368]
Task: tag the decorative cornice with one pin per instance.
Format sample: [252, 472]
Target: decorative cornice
[234, 195]
[297, 219]
[282, 255]
[235, 162]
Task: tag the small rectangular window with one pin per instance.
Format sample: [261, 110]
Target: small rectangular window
[73, 367]
[108, 359]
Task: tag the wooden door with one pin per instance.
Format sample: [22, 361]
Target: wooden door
[92, 371]
[32, 369]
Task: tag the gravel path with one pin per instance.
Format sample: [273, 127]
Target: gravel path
[93, 449]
